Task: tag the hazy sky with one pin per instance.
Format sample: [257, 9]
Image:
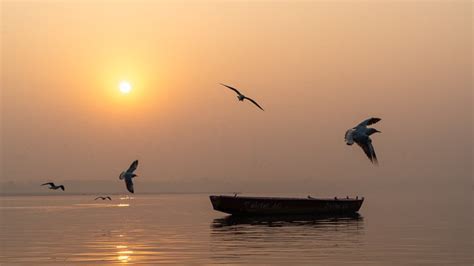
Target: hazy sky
[317, 68]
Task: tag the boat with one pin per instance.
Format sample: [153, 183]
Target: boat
[244, 205]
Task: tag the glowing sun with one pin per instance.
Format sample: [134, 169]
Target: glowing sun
[125, 87]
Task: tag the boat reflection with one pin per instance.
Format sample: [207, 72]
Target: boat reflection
[287, 220]
[241, 240]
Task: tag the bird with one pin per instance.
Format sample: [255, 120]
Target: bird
[128, 175]
[242, 97]
[236, 193]
[103, 198]
[309, 197]
[360, 134]
[53, 186]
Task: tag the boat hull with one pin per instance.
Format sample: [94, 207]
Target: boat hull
[284, 206]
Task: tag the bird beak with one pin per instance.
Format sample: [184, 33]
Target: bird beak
[378, 131]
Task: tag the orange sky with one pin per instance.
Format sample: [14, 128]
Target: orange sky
[317, 68]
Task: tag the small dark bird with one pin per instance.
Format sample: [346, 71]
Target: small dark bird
[128, 175]
[242, 97]
[103, 198]
[360, 134]
[53, 186]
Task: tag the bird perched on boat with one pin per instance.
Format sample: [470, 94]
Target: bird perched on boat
[360, 134]
[128, 175]
[242, 97]
[103, 198]
[53, 186]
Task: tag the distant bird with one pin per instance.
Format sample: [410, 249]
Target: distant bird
[309, 197]
[237, 193]
[128, 175]
[103, 198]
[360, 134]
[53, 186]
[242, 97]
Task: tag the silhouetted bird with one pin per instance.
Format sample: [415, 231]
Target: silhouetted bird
[103, 198]
[53, 186]
[242, 97]
[128, 175]
[360, 134]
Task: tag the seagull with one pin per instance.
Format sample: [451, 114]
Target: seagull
[242, 97]
[360, 134]
[128, 175]
[103, 198]
[53, 186]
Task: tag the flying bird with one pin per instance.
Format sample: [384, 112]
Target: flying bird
[360, 134]
[128, 175]
[53, 186]
[242, 97]
[103, 198]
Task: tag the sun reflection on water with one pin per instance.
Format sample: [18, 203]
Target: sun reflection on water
[123, 254]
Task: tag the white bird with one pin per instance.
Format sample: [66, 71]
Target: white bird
[53, 186]
[242, 97]
[360, 134]
[103, 198]
[128, 175]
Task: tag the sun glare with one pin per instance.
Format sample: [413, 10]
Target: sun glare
[125, 87]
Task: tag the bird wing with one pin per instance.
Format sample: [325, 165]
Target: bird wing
[348, 137]
[129, 184]
[374, 156]
[97, 198]
[254, 102]
[109, 198]
[232, 88]
[49, 183]
[133, 167]
[369, 121]
[366, 145]
[61, 187]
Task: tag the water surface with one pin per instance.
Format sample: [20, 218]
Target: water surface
[184, 229]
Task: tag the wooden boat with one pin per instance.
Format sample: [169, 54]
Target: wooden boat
[238, 205]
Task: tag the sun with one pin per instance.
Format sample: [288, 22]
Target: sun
[125, 87]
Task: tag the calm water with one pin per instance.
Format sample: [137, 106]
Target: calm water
[184, 229]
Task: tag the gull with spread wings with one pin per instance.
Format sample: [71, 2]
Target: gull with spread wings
[360, 134]
[242, 97]
[103, 198]
[128, 175]
[53, 186]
